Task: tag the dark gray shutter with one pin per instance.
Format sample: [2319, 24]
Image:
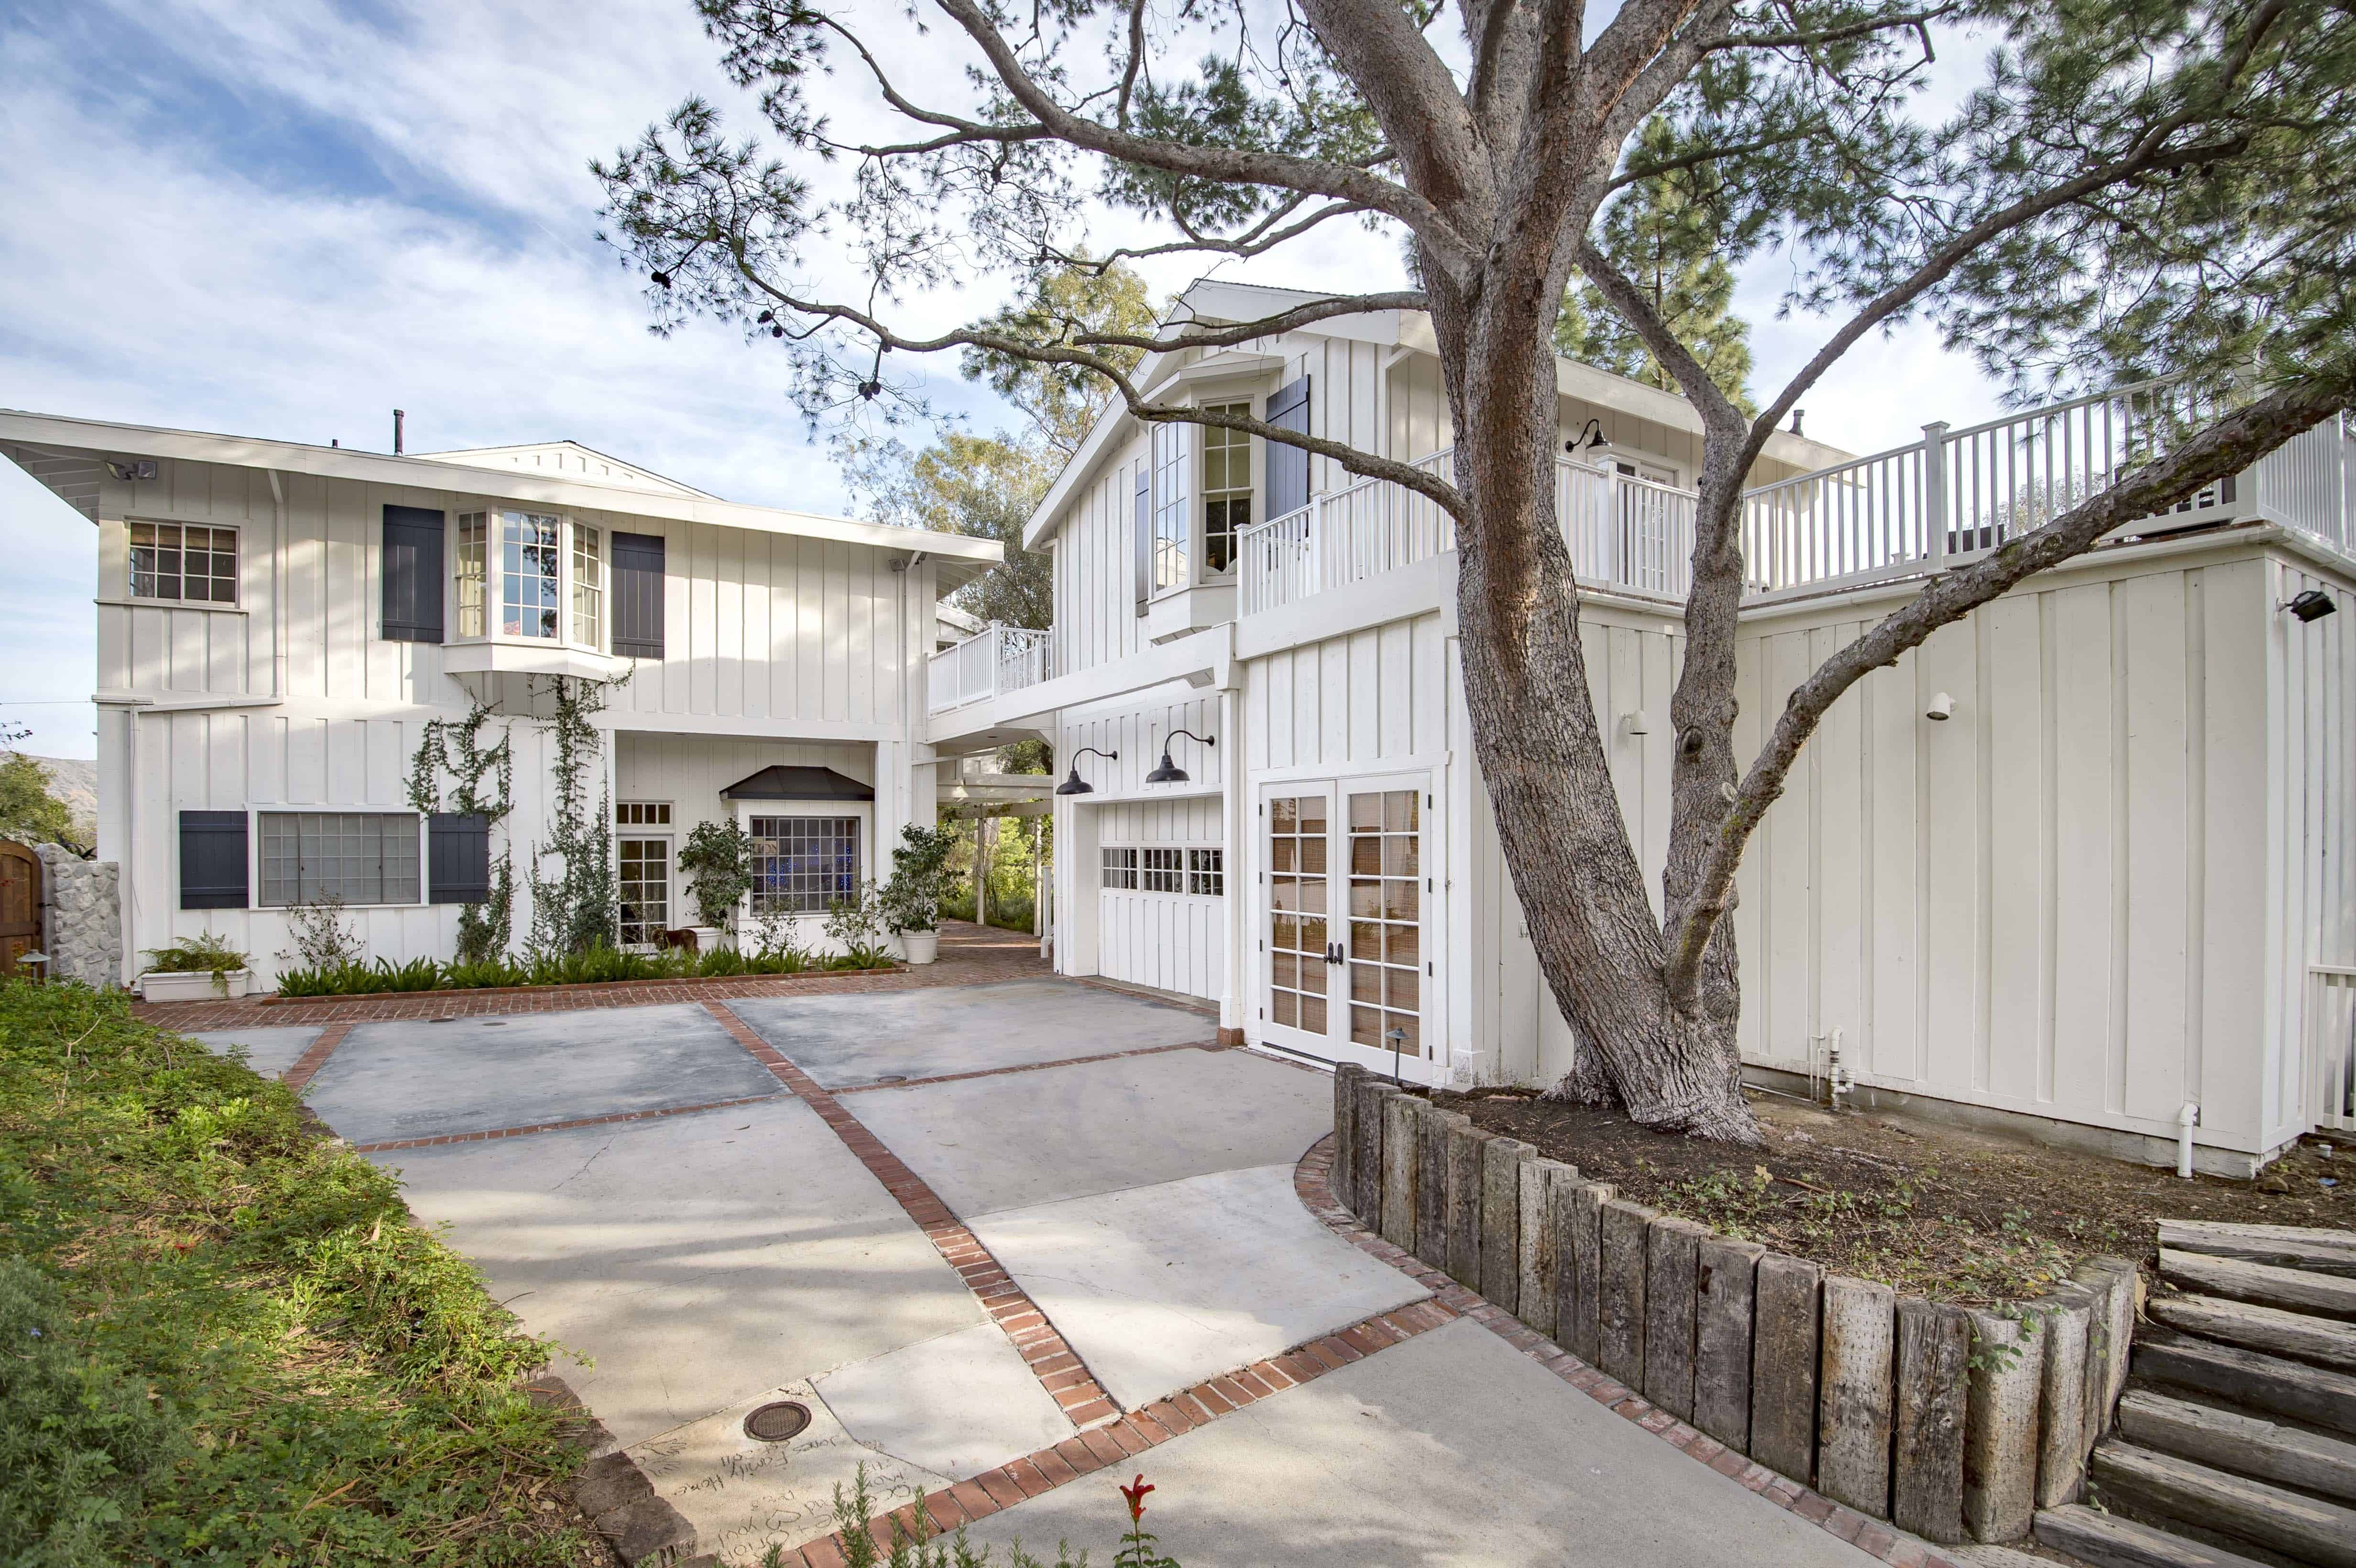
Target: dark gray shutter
[412, 575]
[457, 858]
[1288, 466]
[212, 860]
[1145, 525]
[638, 597]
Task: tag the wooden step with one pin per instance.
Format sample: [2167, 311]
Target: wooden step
[2109, 1541]
[2300, 1336]
[2292, 1524]
[2291, 1289]
[2282, 1246]
[2264, 1383]
[2243, 1443]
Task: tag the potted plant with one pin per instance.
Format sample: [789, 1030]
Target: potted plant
[912, 899]
[717, 860]
[196, 969]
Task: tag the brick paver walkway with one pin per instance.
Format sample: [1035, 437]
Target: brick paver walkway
[971, 955]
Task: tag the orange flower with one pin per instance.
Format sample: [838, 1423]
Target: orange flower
[1135, 1492]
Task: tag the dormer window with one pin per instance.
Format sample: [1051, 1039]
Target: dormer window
[534, 576]
[1227, 488]
[1201, 497]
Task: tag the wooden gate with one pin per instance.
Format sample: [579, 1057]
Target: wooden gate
[20, 903]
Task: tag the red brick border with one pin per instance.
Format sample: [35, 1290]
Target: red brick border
[1116, 1442]
[1311, 1179]
[1053, 1362]
[441, 1138]
[306, 1066]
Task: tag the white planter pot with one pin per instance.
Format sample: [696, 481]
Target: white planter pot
[920, 947]
[708, 938]
[199, 986]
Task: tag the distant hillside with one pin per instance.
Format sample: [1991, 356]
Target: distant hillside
[74, 780]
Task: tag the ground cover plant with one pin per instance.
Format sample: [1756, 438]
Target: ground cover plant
[1935, 1211]
[587, 966]
[226, 1342]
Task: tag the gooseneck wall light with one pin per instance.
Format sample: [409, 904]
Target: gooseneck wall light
[1076, 785]
[1170, 771]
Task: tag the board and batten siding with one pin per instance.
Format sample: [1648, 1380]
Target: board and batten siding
[689, 771]
[2057, 900]
[2311, 763]
[766, 627]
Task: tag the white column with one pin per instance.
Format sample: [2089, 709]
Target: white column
[1235, 819]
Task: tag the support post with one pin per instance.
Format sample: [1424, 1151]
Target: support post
[1579, 1271]
[1724, 1310]
[1366, 1191]
[2061, 1424]
[1670, 1248]
[2007, 1365]
[1546, 1206]
[1432, 1133]
[1402, 1124]
[1466, 1146]
[1619, 1291]
[1500, 1221]
[1935, 495]
[1345, 1177]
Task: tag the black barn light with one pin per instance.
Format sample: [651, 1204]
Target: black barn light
[1076, 785]
[1170, 771]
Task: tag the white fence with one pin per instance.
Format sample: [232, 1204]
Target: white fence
[1624, 533]
[993, 661]
[1948, 498]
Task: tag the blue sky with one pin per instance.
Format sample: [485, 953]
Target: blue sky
[284, 219]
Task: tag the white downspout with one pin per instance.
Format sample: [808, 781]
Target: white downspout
[2185, 1118]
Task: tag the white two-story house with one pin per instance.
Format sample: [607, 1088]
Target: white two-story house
[2083, 860]
[279, 623]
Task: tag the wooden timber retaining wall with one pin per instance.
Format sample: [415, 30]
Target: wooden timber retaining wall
[1956, 1423]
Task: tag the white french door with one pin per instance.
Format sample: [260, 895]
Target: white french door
[1346, 960]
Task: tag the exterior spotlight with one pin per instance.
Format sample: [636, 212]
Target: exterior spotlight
[2312, 605]
[1942, 709]
[1076, 785]
[1170, 771]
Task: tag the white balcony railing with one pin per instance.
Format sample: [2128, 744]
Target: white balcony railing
[1948, 498]
[992, 662]
[1956, 495]
[1624, 533]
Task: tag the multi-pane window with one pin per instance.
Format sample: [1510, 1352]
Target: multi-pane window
[358, 857]
[1172, 508]
[532, 555]
[588, 588]
[173, 560]
[471, 566]
[801, 865]
[1206, 873]
[1227, 488]
[644, 865]
[1386, 921]
[1165, 870]
[1120, 867]
[1300, 961]
[642, 814]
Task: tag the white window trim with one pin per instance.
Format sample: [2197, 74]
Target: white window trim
[142, 602]
[1249, 386]
[865, 810]
[253, 875]
[1139, 847]
[494, 571]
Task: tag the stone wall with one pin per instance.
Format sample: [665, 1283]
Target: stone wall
[1954, 1424]
[82, 916]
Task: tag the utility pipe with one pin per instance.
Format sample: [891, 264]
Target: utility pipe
[2185, 1118]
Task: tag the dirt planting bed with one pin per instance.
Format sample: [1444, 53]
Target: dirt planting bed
[1934, 1211]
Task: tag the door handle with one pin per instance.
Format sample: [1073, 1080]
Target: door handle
[1333, 953]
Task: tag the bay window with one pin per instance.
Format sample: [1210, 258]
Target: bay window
[530, 576]
[1227, 488]
[1173, 545]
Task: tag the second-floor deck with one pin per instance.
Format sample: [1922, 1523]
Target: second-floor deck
[1944, 501]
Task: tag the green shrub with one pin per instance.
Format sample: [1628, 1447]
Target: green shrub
[482, 973]
[206, 955]
[225, 1340]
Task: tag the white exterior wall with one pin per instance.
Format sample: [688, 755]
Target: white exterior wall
[2311, 833]
[769, 638]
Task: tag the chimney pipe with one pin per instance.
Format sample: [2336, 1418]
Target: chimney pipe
[397, 416]
[1797, 415]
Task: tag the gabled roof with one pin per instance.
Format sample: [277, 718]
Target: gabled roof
[567, 460]
[66, 454]
[782, 780]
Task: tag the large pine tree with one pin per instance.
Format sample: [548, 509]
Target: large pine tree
[1662, 231]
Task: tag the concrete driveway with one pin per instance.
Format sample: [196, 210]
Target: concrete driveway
[964, 1225]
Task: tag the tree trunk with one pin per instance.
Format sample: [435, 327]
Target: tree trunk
[1541, 748]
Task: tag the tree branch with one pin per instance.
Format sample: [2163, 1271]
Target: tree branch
[2227, 446]
[1228, 164]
